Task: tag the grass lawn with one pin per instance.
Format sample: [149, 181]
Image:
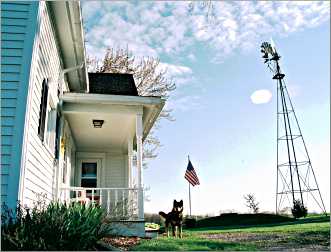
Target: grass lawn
[312, 233]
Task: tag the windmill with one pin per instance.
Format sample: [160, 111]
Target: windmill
[296, 180]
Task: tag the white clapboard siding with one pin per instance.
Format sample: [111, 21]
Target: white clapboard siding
[17, 24]
[114, 171]
[39, 168]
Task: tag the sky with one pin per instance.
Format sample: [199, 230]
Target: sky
[225, 100]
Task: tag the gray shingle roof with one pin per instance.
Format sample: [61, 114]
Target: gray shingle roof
[112, 83]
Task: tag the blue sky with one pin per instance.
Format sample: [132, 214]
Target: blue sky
[229, 134]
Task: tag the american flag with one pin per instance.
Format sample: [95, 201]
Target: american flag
[190, 175]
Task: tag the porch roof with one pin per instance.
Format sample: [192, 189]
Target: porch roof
[80, 109]
[112, 83]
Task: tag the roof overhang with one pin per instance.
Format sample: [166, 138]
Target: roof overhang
[150, 107]
[67, 20]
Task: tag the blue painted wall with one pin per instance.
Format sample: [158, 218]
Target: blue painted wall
[18, 29]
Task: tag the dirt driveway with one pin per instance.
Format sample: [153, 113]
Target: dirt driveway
[314, 241]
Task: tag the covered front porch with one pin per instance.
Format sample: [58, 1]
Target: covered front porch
[103, 163]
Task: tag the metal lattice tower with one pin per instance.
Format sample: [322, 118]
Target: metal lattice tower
[296, 179]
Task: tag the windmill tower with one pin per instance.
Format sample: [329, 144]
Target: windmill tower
[296, 180]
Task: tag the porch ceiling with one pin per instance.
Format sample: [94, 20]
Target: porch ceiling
[113, 135]
[119, 115]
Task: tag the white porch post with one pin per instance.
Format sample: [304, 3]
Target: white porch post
[130, 155]
[59, 168]
[139, 137]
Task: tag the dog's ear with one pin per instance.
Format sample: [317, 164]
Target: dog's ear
[175, 202]
[181, 201]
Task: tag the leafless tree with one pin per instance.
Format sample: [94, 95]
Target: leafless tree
[150, 80]
[251, 202]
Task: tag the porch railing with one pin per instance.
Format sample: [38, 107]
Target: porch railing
[119, 203]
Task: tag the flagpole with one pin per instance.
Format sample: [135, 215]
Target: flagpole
[189, 194]
[189, 190]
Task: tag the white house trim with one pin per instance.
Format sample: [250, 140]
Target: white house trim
[75, 108]
[90, 155]
[130, 156]
[111, 99]
[139, 136]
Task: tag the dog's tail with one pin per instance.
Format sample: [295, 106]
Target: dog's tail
[163, 214]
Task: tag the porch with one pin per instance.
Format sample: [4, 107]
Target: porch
[101, 151]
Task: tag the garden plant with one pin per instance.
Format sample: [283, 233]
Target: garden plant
[55, 226]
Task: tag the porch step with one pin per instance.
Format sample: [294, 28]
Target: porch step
[127, 228]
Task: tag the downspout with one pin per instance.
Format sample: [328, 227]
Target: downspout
[76, 22]
[79, 31]
[67, 70]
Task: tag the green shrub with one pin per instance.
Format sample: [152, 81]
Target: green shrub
[56, 226]
[190, 222]
[231, 219]
[299, 210]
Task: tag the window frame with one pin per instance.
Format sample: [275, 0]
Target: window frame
[98, 170]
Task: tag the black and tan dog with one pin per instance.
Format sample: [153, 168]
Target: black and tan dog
[174, 218]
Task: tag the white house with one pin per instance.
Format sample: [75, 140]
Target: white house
[64, 132]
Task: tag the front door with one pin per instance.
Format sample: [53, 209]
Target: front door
[90, 174]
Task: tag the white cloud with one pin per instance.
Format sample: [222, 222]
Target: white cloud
[156, 28]
[192, 57]
[175, 70]
[261, 96]
[185, 103]
[180, 74]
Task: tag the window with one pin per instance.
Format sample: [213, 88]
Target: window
[43, 110]
[89, 174]
[47, 118]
